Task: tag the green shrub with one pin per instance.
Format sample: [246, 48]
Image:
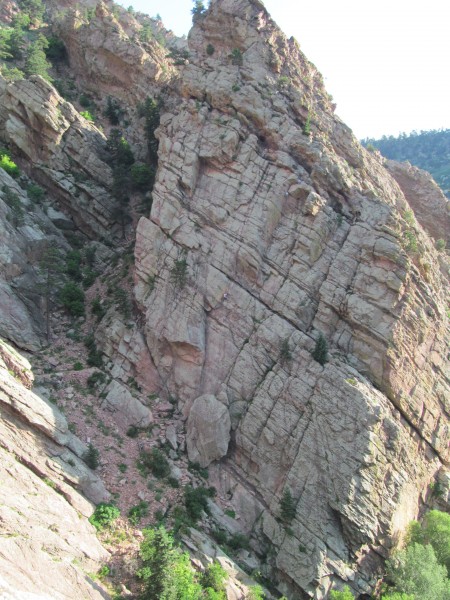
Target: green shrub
[178, 273]
[154, 462]
[287, 506]
[255, 592]
[98, 309]
[94, 358]
[410, 242]
[238, 541]
[95, 379]
[220, 536]
[73, 264]
[142, 177]
[285, 353]
[345, 594]
[320, 352]
[133, 431]
[36, 60]
[104, 515]
[85, 101]
[72, 298]
[17, 213]
[35, 193]
[166, 573]
[56, 51]
[210, 49]
[236, 57]
[196, 468]
[91, 457]
[138, 512]
[198, 9]
[434, 530]
[440, 245]
[196, 501]
[11, 73]
[416, 571]
[77, 366]
[307, 126]
[87, 115]
[214, 577]
[9, 165]
[113, 112]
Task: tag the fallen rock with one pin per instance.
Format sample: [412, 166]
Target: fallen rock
[127, 409]
[208, 430]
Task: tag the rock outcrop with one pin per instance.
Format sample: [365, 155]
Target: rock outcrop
[271, 229]
[61, 149]
[431, 207]
[269, 226]
[47, 543]
[208, 430]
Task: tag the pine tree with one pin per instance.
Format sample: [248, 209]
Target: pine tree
[320, 352]
[91, 457]
[36, 62]
[287, 506]
[51, 267]
[158, 554]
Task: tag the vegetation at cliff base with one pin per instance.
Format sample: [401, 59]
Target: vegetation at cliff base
[166, 572]
[418, 571]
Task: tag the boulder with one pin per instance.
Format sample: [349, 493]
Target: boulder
[127, 409]
[208, 430]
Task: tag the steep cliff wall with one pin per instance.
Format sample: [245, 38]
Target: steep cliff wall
[271, 225]
[271, 229]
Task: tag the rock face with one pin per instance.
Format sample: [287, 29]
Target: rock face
[430, 206]
[44, 538]
[262, 236]
[270, 227]
[208, 430]
[58, 144]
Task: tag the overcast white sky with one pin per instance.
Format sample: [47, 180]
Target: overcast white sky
[386, 62]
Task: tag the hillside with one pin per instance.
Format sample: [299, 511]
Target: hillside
[221, 316]
[429, 150]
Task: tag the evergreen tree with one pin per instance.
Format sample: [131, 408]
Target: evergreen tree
[34, 8]
[91, 457]
[51, 267]
[5, 51]
[198, 9]
[320, 352]
[287, 506]
[158, 555]
[16, 43]
[152, 117]
[36, 61]
[112, 111]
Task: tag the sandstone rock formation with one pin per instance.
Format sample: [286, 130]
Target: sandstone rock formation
[261, 237]
[270, 226]
[208, 430]
[46, 542]
[430, 206]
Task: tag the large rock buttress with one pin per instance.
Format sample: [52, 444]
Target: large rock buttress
[262, 236]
